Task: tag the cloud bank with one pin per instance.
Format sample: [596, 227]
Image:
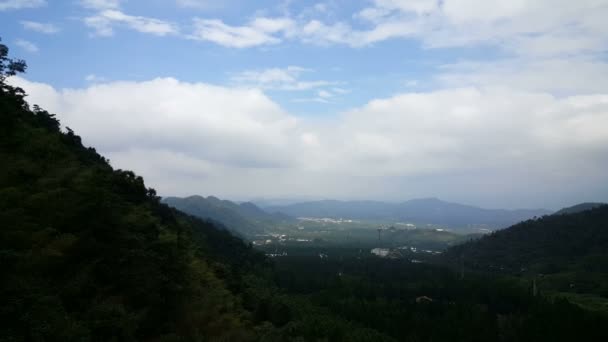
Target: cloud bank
[523, 123]
[199, 138]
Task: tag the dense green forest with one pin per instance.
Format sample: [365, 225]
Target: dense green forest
[544, 245]
[89, 253]
[565, 252]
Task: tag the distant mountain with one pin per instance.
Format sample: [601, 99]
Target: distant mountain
[578, 208]
[428, 210]
[263, 203]
[245, 218]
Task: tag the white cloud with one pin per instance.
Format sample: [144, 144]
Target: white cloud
[415, 6]
[536, 29]
[27, 45]
[267, 31]
[94, 78]
[197, 4]
[543, 27]
[412, 83]
[566, 75]
[237, 142]
[466, 128]
[274, 75]
[193, 3]
[259, 31]
[103, 23]
[288, 78]
[316, 99]
[341, 91]
[221, 125]
[531, 122]
[321, 7]
[46, 28]
[20, 4]
[100, 4]
[202, 4]
[324, 94]
[108, 15]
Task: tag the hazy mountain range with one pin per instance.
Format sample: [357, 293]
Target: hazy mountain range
[427, 210]
[249, 218]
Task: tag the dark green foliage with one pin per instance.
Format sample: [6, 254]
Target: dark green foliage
[9, 66]
[556, 241]
[565, 252]
[389, 298]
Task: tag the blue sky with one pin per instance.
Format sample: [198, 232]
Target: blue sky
[377, 99]
[359, 74]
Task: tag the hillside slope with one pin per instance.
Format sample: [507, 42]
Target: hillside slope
[578, 208]
[557, 238]
[90, 253]
[245, 218]
[570, 251]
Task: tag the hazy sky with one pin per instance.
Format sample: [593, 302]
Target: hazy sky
[497, 103]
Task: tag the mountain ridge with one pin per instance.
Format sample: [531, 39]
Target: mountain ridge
[579, 208]
[243, 218]
[423, 210]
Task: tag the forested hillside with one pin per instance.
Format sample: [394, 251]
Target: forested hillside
[90, 253]
[245, 218]
[566, 252]
[550, 242]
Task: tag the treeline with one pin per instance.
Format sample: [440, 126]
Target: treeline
[422, 302]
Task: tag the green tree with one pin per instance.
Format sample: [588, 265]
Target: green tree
[9, 66]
